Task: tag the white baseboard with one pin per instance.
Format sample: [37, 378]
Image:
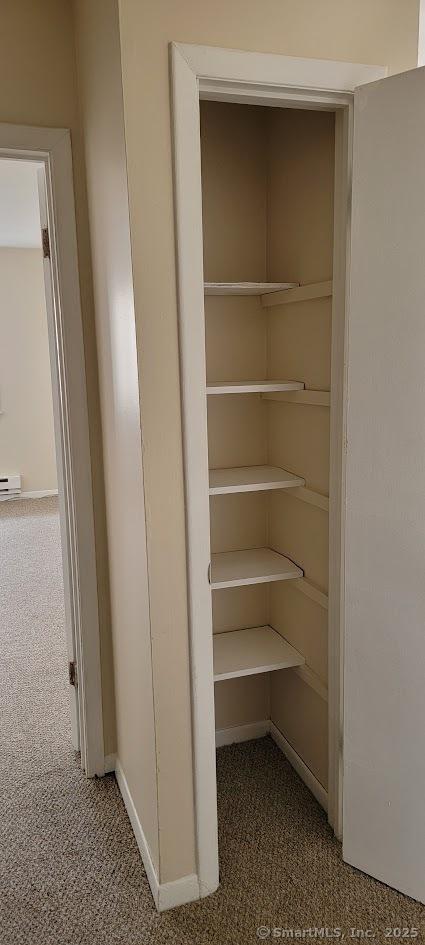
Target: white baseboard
[165, 895]
[241, 733]
[40, 494]
[110, 763]
[299, 766]
[178, 892]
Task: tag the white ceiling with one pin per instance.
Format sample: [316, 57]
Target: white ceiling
[19, 214]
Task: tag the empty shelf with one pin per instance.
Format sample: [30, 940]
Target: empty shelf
[246, 288]
[251, 479]
[252, 387]
[255, 566]
[246, 652]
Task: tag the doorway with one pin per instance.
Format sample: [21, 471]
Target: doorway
[203, 75]
[34, 621]
[42, 158]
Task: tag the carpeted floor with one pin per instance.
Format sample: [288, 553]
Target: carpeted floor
[70, 872]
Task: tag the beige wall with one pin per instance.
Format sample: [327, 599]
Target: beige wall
[99, 66]
[38, 87]
[27, 440]
[374, 31]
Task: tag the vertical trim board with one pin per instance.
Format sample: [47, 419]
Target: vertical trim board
[337, 466]
[188, 200]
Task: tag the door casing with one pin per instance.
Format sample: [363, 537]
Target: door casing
[202, 72]
[51, 148]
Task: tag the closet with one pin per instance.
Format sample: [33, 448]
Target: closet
[300, 239]
[267, 207]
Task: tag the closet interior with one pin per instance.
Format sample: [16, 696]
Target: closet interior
[267, 195]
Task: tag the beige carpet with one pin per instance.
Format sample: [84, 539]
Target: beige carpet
[70, 872]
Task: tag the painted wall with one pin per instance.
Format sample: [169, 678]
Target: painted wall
[374, 31]
[27, 441]
[99, 70]
[38, 87]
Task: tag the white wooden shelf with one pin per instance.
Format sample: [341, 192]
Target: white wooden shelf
[246, 652]
[252, 387]
[246, 288]
[255, 566]
[251, 479]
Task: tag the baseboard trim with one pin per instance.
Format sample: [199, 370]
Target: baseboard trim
[110, 763]
[165, 895]
[241, 733]
[138, 831]
[299, 766]
[40, 494]
[178, 892]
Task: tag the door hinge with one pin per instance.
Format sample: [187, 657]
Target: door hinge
[209, 573]
[45, 240]
[72, 673]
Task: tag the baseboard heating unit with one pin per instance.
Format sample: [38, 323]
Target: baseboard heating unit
[9, 486]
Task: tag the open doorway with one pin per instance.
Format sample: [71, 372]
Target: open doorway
[34, 622]
[46, 509]
[33, 625]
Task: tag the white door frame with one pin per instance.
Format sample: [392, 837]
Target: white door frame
[252, 78]
[51, 147]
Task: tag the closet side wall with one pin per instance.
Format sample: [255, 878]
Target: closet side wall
[300, 244]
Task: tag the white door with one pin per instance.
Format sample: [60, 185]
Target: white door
[58, 407]
[384, 727]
